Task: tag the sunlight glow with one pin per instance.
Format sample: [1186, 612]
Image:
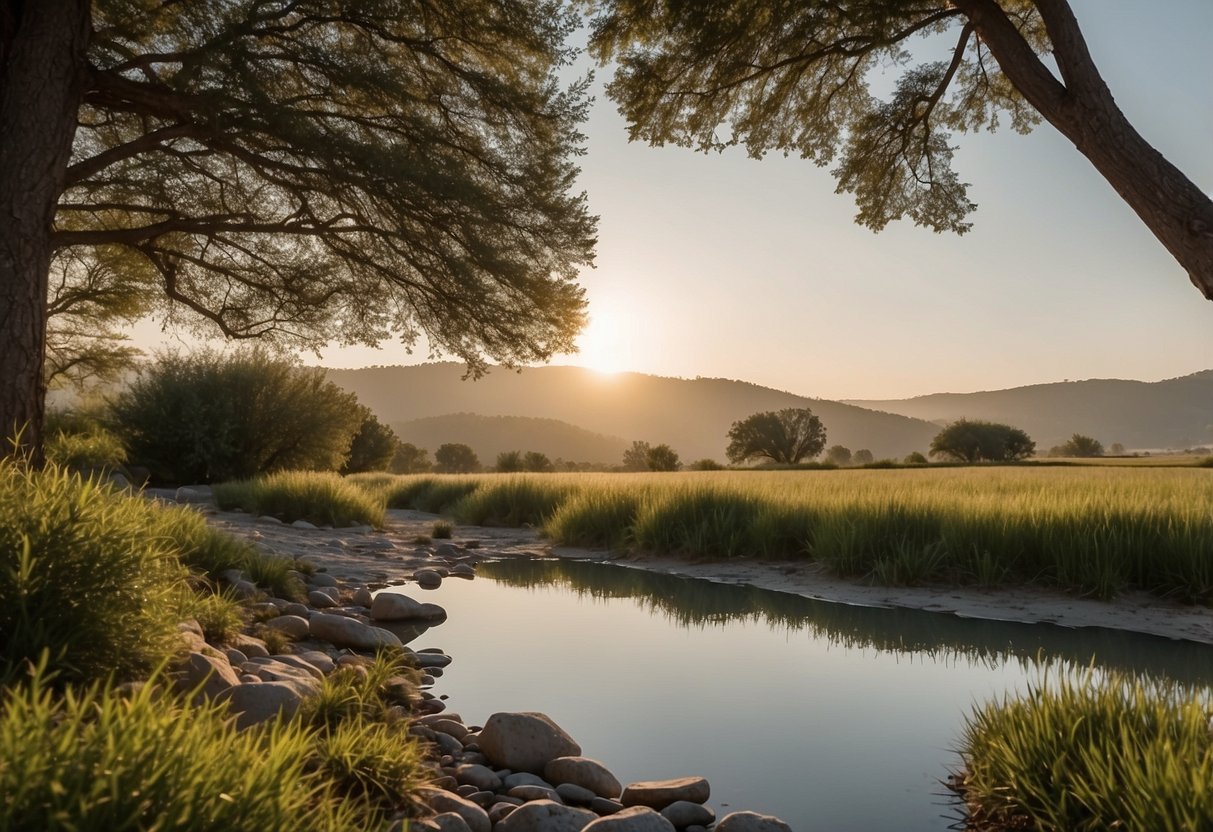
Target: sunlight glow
[604, 344]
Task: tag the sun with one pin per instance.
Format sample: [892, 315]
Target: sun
[603, 345]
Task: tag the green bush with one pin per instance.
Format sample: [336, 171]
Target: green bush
[208, 417]
[100, 450]
[512, 501]
[373, 446]
[319, 498]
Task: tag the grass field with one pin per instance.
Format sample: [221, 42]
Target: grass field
[1094, 530]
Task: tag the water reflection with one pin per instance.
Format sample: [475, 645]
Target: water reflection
[691, 602]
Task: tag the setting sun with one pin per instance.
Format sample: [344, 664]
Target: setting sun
[604, 345]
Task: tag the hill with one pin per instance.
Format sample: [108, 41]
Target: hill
[490, 435]
[1174, 413]
[692, 415]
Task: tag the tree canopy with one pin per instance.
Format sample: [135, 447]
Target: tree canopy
[456, 458]
[976, 441]
[308, 171]
[784, 437]
[793, 76]
[1079, 445]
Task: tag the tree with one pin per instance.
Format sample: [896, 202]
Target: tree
[662, 458]
[636, 458]
[306, 171]
[863, 457]
[784, 437]
[373, 446]
[976, 441]
[706, 464]
[794, 78]
[456, 458]
[1117, 449]
[839, 455]
[1083, 446]
[509, 462]
[915, 458]
[410, 459]
[537, 462]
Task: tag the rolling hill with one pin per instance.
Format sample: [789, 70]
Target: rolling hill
[1174, 413]
[490, 435]
[692, 415]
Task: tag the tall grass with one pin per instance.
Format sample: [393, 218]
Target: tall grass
[1082, 753]
[1097, 531]
[321, 499]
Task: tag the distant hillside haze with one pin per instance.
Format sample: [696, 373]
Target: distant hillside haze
[691, 415]
[490, 435]
[1175, 413]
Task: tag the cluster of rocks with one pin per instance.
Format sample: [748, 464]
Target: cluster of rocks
[521, 772]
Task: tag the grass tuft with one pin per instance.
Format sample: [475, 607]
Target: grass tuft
[322, 499]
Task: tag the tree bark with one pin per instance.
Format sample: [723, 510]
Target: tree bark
[42, 72]
[1177, 212]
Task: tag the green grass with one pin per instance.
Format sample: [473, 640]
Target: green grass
[97, 450]
[1083, 754]
[321, 499]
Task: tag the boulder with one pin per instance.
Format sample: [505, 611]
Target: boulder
[295, 626]
[683, 813]
[536, 793]
[525, 741]
[320, 579]
[584, 772]
[260, 702]
[545, 816]
[300, 663]
[450, 822]
[251, 646]
[657, 794]
[575, 795]
[482, 777]
[605, 806]
[396, 606]
[751, 822]
[427, 578]
[318, 659]
[524, 778]
[633, 819]
[207, 675]
[442, 801]
[346, 632]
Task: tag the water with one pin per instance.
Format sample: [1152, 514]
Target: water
[833, 717]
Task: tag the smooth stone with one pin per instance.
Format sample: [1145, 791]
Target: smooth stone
[683, 813]
[234, 656]
[194, 494]
[605, 806]
[269, 520]
[751, 822]
[447, 744]
[466, 790]
[500, 810]
[431, 719]
[303, 524]
[248, 678]
[546, 816]
[206, 675]
[260, 702]
[396, 606]
[482, 777]
[483, 798]
[584, 772]
[463, 570]
[536, 793]
[510, 799]
[320, 660]
[319, 579]
[300, 610]
[251, 646]
[525, 741]
[431, 660]
[301, 663]
[633, 819]
[657, 794]
[450, 822]
[295, 626]
[321, 600]
[447, 550]
[346, 632]
[524, 778]
[574, 794]
[427, 578]
[450, 726]
[269, 670]
[441, 801]
[363, 597]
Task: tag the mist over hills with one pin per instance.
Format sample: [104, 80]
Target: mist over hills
[1174, 413]
[691, 415]
[491, 435]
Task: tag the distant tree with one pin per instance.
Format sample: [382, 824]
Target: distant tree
[537, 462]
[915, 458]
[706, 465]
[662, 458]
[636, 458]
[1083, 446]
[785, 437]
[409, 459]
[977, 441]
[839, 455]
[373, 446]
[455, 458]
[863, 457]
[509, 462]
[1117, 449]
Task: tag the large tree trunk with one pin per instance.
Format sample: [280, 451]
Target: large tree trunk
[1082, 108]
[42, 73]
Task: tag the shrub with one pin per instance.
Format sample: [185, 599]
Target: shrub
[706, 465]
[509, 462]
[442, 531]
[512, 501]
[373, 446]
[915, 458]
[99, 450]
[456, 458]
[209, 417]
[219, 615]
[862, 457]
[319, 498]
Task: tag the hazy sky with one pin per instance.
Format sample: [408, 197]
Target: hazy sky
[720, 265]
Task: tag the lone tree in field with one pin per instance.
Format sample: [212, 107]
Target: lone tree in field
[307, 171]
[662, 458]
[784, 437]
[975, 441]
[1083, 446]
[793, 77]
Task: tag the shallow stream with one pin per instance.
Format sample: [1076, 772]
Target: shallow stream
[833, 717]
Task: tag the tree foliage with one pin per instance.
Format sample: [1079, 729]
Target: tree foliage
[977, 441]
[537, 462]
[636, 458]
[373, 446]
[1082, 446]
[662, 458]
[784, 437]
[839, 455]
[409, 459]
[793, 77]
[863, 457]
[456, 458]
[509, 462]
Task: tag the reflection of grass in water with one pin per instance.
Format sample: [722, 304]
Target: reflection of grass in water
[691, 602]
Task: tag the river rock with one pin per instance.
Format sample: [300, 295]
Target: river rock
[605, 806]
[545, 816]
[683, 813]
[657, 794]
[451, 822]
[300, 663]
[320, 660]
[427, 578]
[751, 822]
[498, 811]
[261, 701]
[536, 793]
[525, 741]
[583, 771]
[298, 609]
[321, 600]
[575, 795]
[250, 646]
[482, 777]
[363, 597]
[270, 670]
[207, 675]
[463, 570]
[441, 801]
[396, 606]
[194, 494]
[322, 579]
[295, 626]
[431, 660]
[525, 778]
[449, 726]
[633, 819]
[346, 632]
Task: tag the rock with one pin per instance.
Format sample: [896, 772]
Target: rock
[252, 647]
[303, 524]
[432, 612]
[269, 520]
[463, 570]
[466, 790]
[751, 822]
[576, 795]
[295, 626]
[346, 632]
[234, 657]
[430, 720]
[481, 777]
[431, 660]
[583, 771]
[320, 660]
[633, 819]
[440, 801]
[363, 597]
[207, 675]
[320, 579]
[536, 793]
[545, 816]
[451, 822]
[447, 744]
[499, 811]
[483, 799]
[269, 670]
[300, 610]
[194, 494]
[658, 794]
[244, 590]
[525, 741]
[605, 806]
[683, 813]
[190, 625]
[396, 606]
[447, 550]
[524, 778]
[259, 702]
[321, 600]
[450, 726]
[427, 578]
[300, 663]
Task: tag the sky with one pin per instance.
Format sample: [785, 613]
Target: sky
[723, 266]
